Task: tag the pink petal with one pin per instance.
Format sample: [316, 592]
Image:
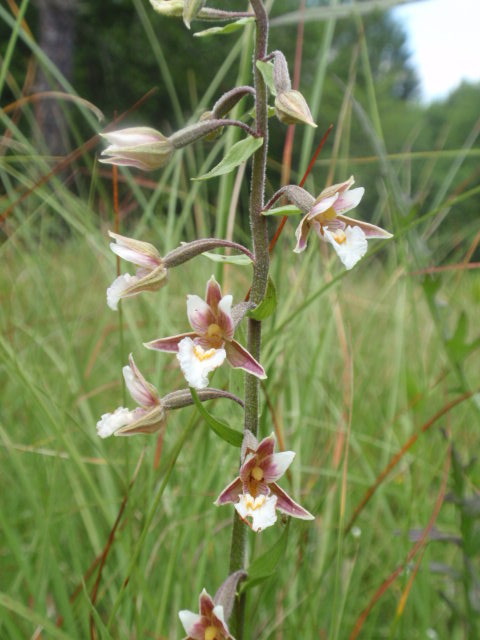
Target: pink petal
[205, 604]
[301, 233]
[324, 204]
[218, 618]
[266, 447]
[141, 391]
[249, 445]
[370, 230]
[230, 493]
[213, 294]
[286, 505]
[348, 200]
[240, 358]
[274, 466]
[200, 315]
[169, 344]
[189, 621]
[336, 188]
[224, 317]
[245, 470]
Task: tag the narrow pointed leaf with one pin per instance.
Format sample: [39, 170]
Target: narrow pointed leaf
[222, 430]
[265, 565]
[268, 305]
[266, 69]
[225, 30]
[239, 260]
[286, 210]
[239, 153]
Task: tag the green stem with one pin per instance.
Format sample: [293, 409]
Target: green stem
[258, 226]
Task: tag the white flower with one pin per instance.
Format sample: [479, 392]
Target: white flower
[196, 363]
[150, 275]
[148, 417]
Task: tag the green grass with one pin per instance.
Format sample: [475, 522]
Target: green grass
[357, 364]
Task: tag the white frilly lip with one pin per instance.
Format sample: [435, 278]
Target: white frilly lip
[353, 247]
[196, 363]
[116, 290]
[109, 423]
[260, 509]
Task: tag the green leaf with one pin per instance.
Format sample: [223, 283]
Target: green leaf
[458, 344]
[240, 260]
[222, 429]
[286, 210]
[268, 305]
[266, 69]
[228, 28]
[265, 565]
[236, 155]
[270, 113]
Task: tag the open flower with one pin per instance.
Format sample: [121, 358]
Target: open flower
[149, 417]
[347, 236]
[211, 342]
[209, 624]
[254, 492]
[141, 147]
[150, 276]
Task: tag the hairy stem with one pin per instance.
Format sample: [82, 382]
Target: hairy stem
[258, 226]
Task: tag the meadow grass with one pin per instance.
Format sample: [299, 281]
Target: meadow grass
[112, 537]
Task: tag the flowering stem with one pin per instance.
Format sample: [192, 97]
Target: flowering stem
[258, 226]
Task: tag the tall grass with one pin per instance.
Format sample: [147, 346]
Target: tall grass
[111, 538]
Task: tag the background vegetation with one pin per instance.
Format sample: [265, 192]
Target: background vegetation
[373, 374]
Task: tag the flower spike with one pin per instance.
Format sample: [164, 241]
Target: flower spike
[211, 342]
[255, 492]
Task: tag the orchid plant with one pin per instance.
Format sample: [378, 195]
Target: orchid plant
[254, 492]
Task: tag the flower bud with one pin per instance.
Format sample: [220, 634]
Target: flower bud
[291, 108]
[140, 147]
[169, 8]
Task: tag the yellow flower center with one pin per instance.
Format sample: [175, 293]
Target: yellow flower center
[257, 473]
[255, 503]
[326, 216]
[340, 236]
[201, 355]
[211, 633]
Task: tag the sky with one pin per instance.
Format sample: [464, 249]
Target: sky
[444, 39]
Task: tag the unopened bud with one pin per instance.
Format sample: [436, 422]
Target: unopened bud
[291, 108]
[140, 147]
[169, 8]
